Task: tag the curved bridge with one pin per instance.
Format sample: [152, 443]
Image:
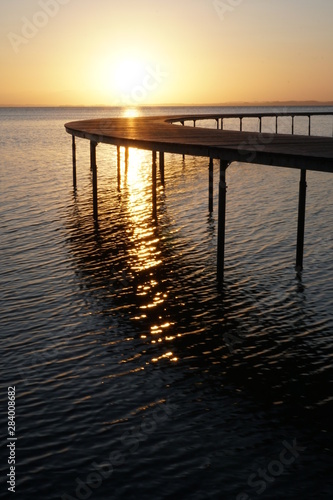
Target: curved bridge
[168, 134]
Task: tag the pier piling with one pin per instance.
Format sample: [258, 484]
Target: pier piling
[93, 166]
[154, 186]
[162, 165]
[118, 168]
[74, 162]
[301, 222]
[126, 160]
[211, 186]
[222, 220]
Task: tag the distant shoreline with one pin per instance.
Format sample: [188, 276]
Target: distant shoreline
[225, 105]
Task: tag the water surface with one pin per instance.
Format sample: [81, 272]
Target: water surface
[123, 348]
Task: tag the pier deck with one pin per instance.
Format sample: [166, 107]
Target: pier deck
[159, 134]
[168, 134]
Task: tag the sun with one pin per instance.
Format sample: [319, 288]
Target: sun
[124, 79]
[128, 74]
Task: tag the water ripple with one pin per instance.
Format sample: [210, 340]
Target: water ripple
[119, 340]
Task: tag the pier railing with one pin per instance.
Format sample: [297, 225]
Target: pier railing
[221, 119]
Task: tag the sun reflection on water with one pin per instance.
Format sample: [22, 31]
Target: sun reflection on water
[130, 113]
[144, 253]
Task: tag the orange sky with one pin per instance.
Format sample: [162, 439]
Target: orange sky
[111, 52]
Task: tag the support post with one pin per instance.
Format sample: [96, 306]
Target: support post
[292, 125]
[118, 168]
[217, 123]
[241, 124]
[309, 124]
[162, 165]
[154, 186]
[276, 124]
[211, 186]
[221, 123]
[126, 159]
[74, 161]
[93, 166]
[260, 124]
[301, 222]
[221, 221]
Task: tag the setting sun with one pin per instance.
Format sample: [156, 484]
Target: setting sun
[128, 74]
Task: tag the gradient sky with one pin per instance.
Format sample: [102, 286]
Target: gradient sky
[109, 52]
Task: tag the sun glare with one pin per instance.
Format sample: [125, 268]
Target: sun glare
[129, 74]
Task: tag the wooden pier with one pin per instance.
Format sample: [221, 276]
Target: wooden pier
[169, 134]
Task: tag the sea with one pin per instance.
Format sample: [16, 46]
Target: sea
[130, 372]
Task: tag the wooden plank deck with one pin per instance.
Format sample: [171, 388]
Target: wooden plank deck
[158, 134]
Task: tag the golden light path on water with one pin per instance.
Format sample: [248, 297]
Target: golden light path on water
[144, 255]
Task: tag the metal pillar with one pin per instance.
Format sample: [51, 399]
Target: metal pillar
[221, 123]
[292, 125]
[154, 186]
[309, 124]
[162, 165]
[260, 124]
[74, 161]
[301, 221]
[211, 186]
[241, 124]
[221, 221]
[118, 168]
[93, 166]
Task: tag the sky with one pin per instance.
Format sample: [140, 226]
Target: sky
[150, 52]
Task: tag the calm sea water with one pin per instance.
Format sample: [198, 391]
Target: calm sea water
[136, 376]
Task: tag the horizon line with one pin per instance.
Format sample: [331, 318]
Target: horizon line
[224, 104]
